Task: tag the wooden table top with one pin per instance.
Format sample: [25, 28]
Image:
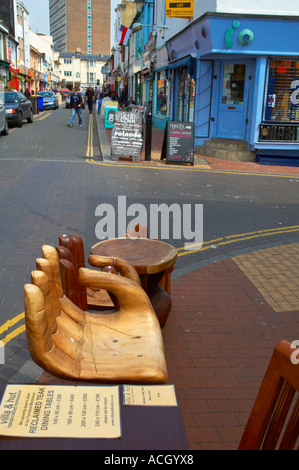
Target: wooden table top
[146, 255]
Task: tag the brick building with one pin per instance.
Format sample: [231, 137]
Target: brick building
[80, 26]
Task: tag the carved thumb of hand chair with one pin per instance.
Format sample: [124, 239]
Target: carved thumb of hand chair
[160, 299]
[67, 342]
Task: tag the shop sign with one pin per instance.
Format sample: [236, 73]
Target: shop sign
[110, 80]
[111, 109]
[179, 9]
[150, 42]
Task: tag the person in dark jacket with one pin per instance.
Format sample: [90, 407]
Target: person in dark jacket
[90, 98]
[76, 106]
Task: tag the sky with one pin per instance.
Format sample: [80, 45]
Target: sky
[39, 14]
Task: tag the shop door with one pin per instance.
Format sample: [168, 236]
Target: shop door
[233, 97]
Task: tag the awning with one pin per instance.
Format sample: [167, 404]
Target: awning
[188, 62]
[4, 63]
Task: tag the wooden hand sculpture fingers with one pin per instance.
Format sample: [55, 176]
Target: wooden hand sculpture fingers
[68, 342]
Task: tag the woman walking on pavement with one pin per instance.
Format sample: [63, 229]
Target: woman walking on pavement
[76, 106]
[90, 98]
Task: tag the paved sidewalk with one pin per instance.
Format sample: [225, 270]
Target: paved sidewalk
[200, 162]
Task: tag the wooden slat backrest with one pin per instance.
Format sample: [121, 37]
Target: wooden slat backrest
[273, 422]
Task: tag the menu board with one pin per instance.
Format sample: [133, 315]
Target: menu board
[60, 411]
[127, 134]
[178, 143]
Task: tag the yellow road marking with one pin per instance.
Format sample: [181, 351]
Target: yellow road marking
[249, 235]
[193, 168]
[13, 334]
[11, 322]
[43, 117]
[182, 252]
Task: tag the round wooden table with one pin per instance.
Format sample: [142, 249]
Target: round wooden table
[151, 259]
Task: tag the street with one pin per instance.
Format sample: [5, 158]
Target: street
[52, 181]
[50, 137]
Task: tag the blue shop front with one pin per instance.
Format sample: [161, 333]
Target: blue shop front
[237, 77]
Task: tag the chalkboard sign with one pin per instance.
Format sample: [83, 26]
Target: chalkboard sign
[178, 145]
[127, 135]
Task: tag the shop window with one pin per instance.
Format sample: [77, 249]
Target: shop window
[186, 96]
[162, 94]
[281, 99]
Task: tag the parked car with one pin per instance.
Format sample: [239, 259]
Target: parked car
[3, 119]
[64, 93]
[50, 101]
[17, 106]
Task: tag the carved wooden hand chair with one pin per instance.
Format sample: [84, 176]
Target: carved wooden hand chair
[68, 342]
[274, 419]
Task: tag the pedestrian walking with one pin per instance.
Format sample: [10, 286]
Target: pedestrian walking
[76, 106]
[96, 94]
[90, 98]
[100, 98]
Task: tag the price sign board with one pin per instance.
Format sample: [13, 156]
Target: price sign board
[60, 411]
[178, 145]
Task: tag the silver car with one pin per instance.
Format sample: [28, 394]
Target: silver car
[3, 119]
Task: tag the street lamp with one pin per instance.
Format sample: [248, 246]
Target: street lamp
[149, 112]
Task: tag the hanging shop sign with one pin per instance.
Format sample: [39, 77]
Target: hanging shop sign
[179, 9]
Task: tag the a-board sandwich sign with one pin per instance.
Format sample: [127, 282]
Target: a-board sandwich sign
[178, 145]
[127, 135]
[111, 109]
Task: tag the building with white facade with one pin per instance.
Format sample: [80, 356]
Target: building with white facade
[44, 73]
[81, 70]
[22, 36]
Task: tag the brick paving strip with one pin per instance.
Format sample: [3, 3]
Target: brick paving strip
[275, 273]
[219, 339]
